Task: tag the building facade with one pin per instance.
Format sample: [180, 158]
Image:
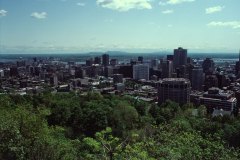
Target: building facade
[175, 89]
[141, 71]
[167, 68]
[197, 78]
[216, 98]
[179, 57]
[105, 59]
[208, 66]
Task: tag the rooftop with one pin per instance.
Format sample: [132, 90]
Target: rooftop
[218, 93]
[174, 80]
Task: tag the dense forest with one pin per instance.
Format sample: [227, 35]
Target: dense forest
[93, 126]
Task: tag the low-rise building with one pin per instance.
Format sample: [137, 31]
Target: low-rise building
[216, 98]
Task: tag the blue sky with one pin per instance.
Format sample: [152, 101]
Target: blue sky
[77, 26]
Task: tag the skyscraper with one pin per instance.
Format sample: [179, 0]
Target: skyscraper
[208, 66]
[210, 81]
[197, 78]
[79, 72]
[141, 71]
[105, 59]
[167, 68]
[140, 59]
[154, 63]
[14, 71]
[108, 71]
[237, 66]
[170, 57]
[54, 80]
[89, 62]
[179, 57]
[97, 60]
[126, 71]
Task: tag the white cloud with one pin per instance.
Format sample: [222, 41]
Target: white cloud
[214, 9]
[81, 4]
[125, 5]
[167, 11]
[3, 13]
[232, 24]
[39, 15]
[173, 2]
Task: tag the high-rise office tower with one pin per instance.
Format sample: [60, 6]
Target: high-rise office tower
[14, 71]
[37, 70]
[126, 71]
[197, 78]
[154, 63]
[105, 59]
[170, 57]
[189, 60]
[237, 66]
[79, 72]
[140, 59]
[93, 71]
[175, 89]
[54, 80]
[208, 66]
[167, 68]
[141, 71]
[89, 62]
[179, 57]
[108, 71]
[210, 81]
[182, 71]
[223, 80]
[97, 60]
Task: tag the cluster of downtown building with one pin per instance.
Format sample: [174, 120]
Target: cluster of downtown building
[176, 77]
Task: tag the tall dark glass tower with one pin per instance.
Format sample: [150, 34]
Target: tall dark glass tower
[105, 59]
[179, 57]
[208, 66]
[197, 78]
[140, 59]
[237, 66]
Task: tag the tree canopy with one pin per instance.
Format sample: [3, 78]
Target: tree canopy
[93, 126]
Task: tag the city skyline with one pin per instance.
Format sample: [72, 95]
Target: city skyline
[70, 26]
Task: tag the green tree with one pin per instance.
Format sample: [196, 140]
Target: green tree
[124, 118]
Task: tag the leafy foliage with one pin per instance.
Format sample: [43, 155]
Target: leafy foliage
[93, 126]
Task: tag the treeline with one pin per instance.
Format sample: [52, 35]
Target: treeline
[92, 126]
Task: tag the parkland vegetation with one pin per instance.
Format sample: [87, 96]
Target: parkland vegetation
[69, 126]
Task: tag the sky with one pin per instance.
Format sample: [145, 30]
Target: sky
[79, 26]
